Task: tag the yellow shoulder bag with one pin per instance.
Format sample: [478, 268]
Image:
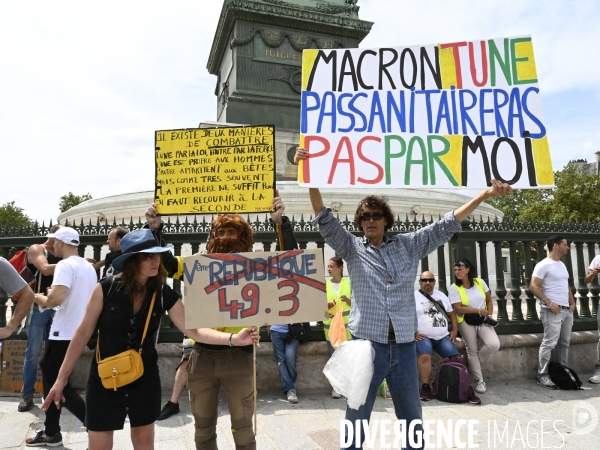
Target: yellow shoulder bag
[124, 368]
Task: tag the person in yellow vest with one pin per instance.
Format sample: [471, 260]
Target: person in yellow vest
[470, 295]
[338, 296]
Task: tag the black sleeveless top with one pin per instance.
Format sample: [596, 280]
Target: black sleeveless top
[120, 330]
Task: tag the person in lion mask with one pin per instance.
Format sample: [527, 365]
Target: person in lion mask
[211, 366]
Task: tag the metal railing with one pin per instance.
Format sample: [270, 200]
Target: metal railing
[524, 241]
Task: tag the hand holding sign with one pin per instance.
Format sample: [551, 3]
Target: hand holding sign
[247, 336]
[499, 189]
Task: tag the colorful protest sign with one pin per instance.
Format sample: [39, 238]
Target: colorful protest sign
[433, 116]
[249, 289]
[215, 170]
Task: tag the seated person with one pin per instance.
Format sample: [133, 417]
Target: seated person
[433, 331]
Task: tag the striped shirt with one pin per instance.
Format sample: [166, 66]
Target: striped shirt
[383, 278]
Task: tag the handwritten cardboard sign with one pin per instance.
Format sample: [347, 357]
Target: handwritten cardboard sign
[215, 170]
[431, 116]
[261, 288]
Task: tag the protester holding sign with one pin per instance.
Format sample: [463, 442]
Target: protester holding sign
[211, 366]
[383, 271]
[126, 311]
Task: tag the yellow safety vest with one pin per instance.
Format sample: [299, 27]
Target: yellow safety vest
[344, 289]
[465, 300]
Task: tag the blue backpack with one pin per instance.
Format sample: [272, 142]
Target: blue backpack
[452, 382]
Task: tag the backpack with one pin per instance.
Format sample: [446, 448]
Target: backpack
[452, 382]
[19, 262]
[564, 377]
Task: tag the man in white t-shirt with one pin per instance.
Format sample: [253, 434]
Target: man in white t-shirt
[74, 281]
[593, 272]
[550, 283]
[432, 331]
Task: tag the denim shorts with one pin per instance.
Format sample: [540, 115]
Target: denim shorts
[444, 347]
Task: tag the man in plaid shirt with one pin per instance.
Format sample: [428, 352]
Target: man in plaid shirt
[383, 272]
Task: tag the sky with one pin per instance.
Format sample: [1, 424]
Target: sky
[84, 85]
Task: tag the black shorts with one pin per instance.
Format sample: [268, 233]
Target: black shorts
[106, 409]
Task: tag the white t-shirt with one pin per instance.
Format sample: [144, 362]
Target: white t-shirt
[555, 281]
[476, 300]
[595, 263]
[80, 277]
[432, 323]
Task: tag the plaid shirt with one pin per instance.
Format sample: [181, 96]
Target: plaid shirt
[383, 278]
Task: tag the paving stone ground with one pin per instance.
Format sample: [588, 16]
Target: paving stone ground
[513, 415]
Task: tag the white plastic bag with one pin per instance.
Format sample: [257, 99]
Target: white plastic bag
[350, 370]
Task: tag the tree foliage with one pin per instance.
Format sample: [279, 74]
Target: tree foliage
[69, 200]
[575, 197]
[13, 216]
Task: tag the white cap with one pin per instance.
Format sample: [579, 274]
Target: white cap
[67, 235]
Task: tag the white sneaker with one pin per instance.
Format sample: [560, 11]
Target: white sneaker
[291, 396]
[335, 394]
[546, 382]
[480, 388]
[595, 379]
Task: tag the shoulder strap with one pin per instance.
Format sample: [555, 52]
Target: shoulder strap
[434, 301]
[98, 359]
[480, 287]
[148, 319]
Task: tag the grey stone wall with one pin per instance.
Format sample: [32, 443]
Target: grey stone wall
[516, 360]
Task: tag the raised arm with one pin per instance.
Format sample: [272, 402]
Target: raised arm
[286, 239]
[499, 189]
[172, 264]
[315, 194]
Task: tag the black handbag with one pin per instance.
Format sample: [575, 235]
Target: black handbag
[299, 331]
[474, 319]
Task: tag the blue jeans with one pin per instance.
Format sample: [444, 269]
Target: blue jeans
[398, 364]
[37, 331]
[444, 347]
[285, 354]
[331, 349]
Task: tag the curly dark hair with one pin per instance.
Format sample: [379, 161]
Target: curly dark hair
[375, 202]
[245, 232]
[471, 274]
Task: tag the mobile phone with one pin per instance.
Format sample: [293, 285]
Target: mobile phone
[491, 322]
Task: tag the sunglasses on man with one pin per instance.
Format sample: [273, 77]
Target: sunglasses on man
[368, 217]
[427, 280]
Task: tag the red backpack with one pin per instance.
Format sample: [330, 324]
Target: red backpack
[19, 262]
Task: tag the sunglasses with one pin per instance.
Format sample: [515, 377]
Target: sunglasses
[460, 263]
[427, 280]
[368, 217]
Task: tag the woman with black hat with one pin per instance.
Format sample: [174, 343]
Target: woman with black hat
[119, 309]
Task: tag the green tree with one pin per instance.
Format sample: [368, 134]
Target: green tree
[13, 216]
[69, 200]
[576, 196]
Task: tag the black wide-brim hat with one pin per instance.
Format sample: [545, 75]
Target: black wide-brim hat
[138, 241]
